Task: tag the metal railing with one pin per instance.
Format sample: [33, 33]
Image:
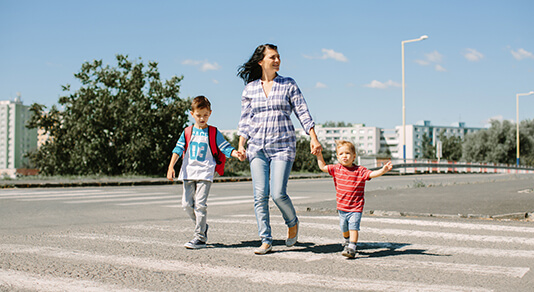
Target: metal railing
[412, 166]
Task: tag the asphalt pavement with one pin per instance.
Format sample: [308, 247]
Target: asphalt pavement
[483, 196]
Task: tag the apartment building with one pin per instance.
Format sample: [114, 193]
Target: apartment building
[374, 140]
[415, 133]
[15, 139]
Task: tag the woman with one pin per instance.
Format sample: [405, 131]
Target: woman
[266, 105]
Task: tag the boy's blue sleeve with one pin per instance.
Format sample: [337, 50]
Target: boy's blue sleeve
[224, 146]
[180, 145]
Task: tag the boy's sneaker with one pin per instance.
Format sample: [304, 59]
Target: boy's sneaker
[346, 242]
[349, 252]
[195, 244]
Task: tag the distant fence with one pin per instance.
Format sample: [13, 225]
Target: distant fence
[412, 166]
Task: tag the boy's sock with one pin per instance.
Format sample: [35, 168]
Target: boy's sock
[352, 245]
[347, 241]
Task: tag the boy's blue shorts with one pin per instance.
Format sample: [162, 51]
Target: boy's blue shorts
[349, 220]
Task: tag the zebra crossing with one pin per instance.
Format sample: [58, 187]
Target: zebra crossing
[395, 254]
[171, 198]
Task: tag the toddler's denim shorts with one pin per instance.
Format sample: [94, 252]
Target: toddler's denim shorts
[349, 220]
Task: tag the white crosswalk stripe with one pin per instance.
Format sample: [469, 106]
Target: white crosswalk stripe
[123, 198]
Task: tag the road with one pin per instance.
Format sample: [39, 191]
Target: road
[131, 239]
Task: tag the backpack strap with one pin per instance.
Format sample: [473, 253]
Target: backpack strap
[187, 134]
[212, 138]
[219, 157]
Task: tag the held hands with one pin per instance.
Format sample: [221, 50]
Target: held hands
[239, 155]
[315, 147]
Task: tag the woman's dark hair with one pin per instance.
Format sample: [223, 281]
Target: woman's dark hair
[251, 70]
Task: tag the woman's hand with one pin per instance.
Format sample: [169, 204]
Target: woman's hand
[315, 146]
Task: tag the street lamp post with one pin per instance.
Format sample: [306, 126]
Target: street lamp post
[517, 120]
[424, 37]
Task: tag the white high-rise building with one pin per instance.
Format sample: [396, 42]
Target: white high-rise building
[415, 133]
[15, 139]
[365, 139]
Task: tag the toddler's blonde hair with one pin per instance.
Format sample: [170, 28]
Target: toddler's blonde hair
[340, 143]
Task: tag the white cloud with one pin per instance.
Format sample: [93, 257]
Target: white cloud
[430, 58]
[522, 54]
[330, 54]
[422, 62]
[473, 55]
[439, 68]
[215, 81]
[203, 65]
[320, 85]
[434, 57]
[382, 85]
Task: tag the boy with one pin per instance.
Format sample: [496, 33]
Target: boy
[349, 180]
[198, 167]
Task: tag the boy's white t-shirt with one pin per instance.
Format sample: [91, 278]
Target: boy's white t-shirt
[198, 162]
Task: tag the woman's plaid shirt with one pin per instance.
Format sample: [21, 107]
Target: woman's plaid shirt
[266, 122]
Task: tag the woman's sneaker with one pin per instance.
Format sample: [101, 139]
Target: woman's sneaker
[195, 244]
[349, 252]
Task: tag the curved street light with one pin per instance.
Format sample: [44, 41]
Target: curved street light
[423, 37]
[517, 120]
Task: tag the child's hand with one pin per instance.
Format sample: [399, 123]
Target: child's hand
[242, 156]
[170, 173]
[239, 155]
[387, 167]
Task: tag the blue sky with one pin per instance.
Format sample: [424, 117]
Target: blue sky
[344, 55]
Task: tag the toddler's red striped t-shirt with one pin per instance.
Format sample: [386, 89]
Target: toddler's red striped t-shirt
[350, 186]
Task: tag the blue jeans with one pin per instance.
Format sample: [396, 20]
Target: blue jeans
[262, 168]
[349, 220]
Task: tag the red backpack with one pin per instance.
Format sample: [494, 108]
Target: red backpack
[219, 157]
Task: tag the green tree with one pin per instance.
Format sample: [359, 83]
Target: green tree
[122, 120]
[526, 142]
[429, 151]
[498, 143]
[451, 147]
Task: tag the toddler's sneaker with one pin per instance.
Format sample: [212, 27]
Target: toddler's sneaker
[349, 252]
[195, 244]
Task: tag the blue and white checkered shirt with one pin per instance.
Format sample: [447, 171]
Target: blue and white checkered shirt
[266, 122]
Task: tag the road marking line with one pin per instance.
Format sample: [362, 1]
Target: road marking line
[79, 197]
[298, 254]
[234, 202]
[218, 201]
[469, 226]
[407, 233]
[162, 202]
[119, 199]
[28, 281]
[250, 275]
[49, 193]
